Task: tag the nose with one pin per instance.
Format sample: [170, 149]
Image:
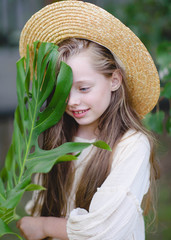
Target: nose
[74, 98]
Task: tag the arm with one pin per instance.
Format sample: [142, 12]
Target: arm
[37, 228]
[115, 210]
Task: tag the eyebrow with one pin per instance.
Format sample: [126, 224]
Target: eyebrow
[83, 81]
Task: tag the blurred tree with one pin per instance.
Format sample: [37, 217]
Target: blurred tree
[150, 20]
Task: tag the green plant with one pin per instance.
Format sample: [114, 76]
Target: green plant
[155, 33]
[25, 157]
[160, 120]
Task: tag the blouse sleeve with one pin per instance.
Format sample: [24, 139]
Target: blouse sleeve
[115, 207]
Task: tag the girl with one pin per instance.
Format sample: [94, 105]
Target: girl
[99, 196]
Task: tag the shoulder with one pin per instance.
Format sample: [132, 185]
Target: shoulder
[133, 137]
[133, 145]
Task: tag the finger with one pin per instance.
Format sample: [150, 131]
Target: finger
[21, 232]
[18, 223]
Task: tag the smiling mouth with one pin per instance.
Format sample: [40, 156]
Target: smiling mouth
[80, 113]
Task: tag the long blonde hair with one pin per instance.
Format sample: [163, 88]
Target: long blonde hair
[114, 122]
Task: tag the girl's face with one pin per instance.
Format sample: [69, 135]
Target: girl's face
[90, 93]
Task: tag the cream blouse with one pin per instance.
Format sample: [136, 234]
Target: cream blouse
[115, 211]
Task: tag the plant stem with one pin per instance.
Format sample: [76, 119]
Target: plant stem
[28, 143]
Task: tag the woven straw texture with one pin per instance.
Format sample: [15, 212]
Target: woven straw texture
[66, 19]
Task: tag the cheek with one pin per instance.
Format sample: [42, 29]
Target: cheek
[67, 111]
[105, 100]
[101, 99]
[105, 94]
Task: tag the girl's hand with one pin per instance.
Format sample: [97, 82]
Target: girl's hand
[37, 228]
[32, 228]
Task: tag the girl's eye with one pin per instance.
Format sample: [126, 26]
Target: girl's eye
[84, 89]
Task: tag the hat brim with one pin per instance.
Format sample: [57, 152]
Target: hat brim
[67, 19]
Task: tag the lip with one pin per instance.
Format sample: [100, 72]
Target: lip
[80, 113]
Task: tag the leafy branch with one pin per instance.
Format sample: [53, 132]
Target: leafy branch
[25, 157]
[159, 120]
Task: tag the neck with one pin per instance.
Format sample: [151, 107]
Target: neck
[87, 132]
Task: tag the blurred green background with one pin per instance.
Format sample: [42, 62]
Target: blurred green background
[150, 20]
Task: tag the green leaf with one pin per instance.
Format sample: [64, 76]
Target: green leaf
[33, 187]
[2, 188]
[53, 113]
[27, 81]
[164, 53]
[5, 229]
[30, 99]
[66, 158]
[102, 144]
[23, 183]
[154, 121]
[166, 92]
[8, 214]
[34, 87]
[13, 198]
[168, 123]
[163, 59]
[42, 161]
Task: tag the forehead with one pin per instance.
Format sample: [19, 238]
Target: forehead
[81, 63]
[83, 71]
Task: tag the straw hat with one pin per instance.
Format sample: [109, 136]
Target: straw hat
[65, 19]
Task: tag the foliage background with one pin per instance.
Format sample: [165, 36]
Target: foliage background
[150, 20]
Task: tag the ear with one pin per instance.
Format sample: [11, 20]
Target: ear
[116, 80]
